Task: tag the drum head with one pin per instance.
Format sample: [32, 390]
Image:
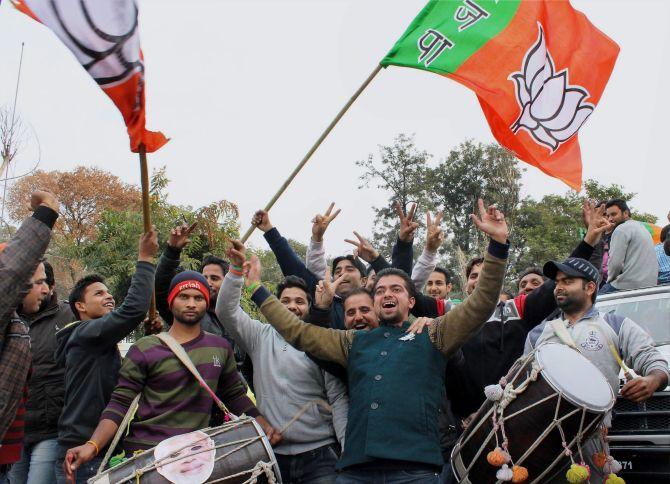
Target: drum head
[572, 374]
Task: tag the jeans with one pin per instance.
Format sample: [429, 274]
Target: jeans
[315, 466]
[82, 474]
[388, 477]
[36, 465]
[447, 476]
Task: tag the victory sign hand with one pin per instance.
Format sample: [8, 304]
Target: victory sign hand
[491, 221]
[320, 222]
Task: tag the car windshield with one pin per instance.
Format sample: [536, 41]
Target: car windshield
[652, 312]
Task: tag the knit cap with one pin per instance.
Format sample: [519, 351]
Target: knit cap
[188, 280]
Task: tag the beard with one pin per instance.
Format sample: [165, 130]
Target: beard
[190, 320]
[391, 320]
[570, 304]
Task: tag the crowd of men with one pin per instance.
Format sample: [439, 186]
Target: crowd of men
[338, 334]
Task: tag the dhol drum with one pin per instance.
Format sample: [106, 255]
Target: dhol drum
[235, 452]
[551, 397]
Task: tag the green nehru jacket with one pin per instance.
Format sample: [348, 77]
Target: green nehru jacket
[395, 383]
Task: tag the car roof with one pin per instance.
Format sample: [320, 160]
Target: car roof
[645, 291]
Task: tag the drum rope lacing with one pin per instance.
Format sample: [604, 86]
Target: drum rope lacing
[502, 399]
[258, 470]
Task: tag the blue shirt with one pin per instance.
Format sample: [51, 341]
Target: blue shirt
[663, 265]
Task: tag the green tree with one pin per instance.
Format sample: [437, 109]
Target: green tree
[469, 172]
[549, 228]
[401, 172]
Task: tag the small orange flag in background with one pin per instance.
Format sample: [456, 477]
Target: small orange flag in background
[104, 37]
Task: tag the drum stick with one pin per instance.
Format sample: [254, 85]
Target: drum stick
[622, 365]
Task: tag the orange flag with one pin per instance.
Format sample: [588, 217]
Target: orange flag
[104, 37]
[538, 67]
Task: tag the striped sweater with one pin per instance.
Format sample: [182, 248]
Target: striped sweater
[172, 402]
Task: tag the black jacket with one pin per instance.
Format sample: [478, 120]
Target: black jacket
[490, 353]
[46, 387]
[88, 351]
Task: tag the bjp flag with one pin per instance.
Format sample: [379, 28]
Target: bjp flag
[104, 37]
[538, 67]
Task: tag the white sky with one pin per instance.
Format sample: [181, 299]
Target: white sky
[244, 88]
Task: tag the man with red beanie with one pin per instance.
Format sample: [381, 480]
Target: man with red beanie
[172, 401]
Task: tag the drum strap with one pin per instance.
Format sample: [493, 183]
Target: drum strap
[562, 332]
[181, 354]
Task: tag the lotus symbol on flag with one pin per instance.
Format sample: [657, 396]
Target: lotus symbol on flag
[552, 110]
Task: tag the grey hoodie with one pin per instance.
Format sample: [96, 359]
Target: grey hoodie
[285, 379]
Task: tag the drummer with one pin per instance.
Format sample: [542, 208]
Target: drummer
[172, 401]
[592, 332]
[395, 377]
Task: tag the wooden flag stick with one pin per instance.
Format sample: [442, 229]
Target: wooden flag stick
[146, 213]
[315, 146]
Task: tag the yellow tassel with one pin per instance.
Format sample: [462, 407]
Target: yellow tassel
[578, 473]
[614, 479]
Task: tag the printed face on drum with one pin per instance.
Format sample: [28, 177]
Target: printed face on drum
[392, 300]
[189, 307]
[187, 458]
[573, 294]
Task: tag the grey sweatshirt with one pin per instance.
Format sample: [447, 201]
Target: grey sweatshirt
[632, 261]
[285, 379]
[592, 334]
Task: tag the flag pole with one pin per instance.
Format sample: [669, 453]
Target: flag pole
[146, 212]
[315, 146]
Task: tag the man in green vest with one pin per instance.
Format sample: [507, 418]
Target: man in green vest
[395, 376]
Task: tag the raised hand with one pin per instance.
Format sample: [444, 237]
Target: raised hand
[252, 270]
[407, 224]
[148, 246]
[597, 223]
[47, 199]
[261, 219]
[320, 222]
[326, 289]
[434, 234]
[364, 248]
[237, 253]
[491, 221]
[179, 236]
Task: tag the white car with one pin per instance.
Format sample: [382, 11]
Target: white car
[640, 433]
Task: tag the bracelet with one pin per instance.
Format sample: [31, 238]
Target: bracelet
[252, 287]
[97, 449]
[235, 271]
[236, 267]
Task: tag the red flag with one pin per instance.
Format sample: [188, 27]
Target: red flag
[104, 37]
